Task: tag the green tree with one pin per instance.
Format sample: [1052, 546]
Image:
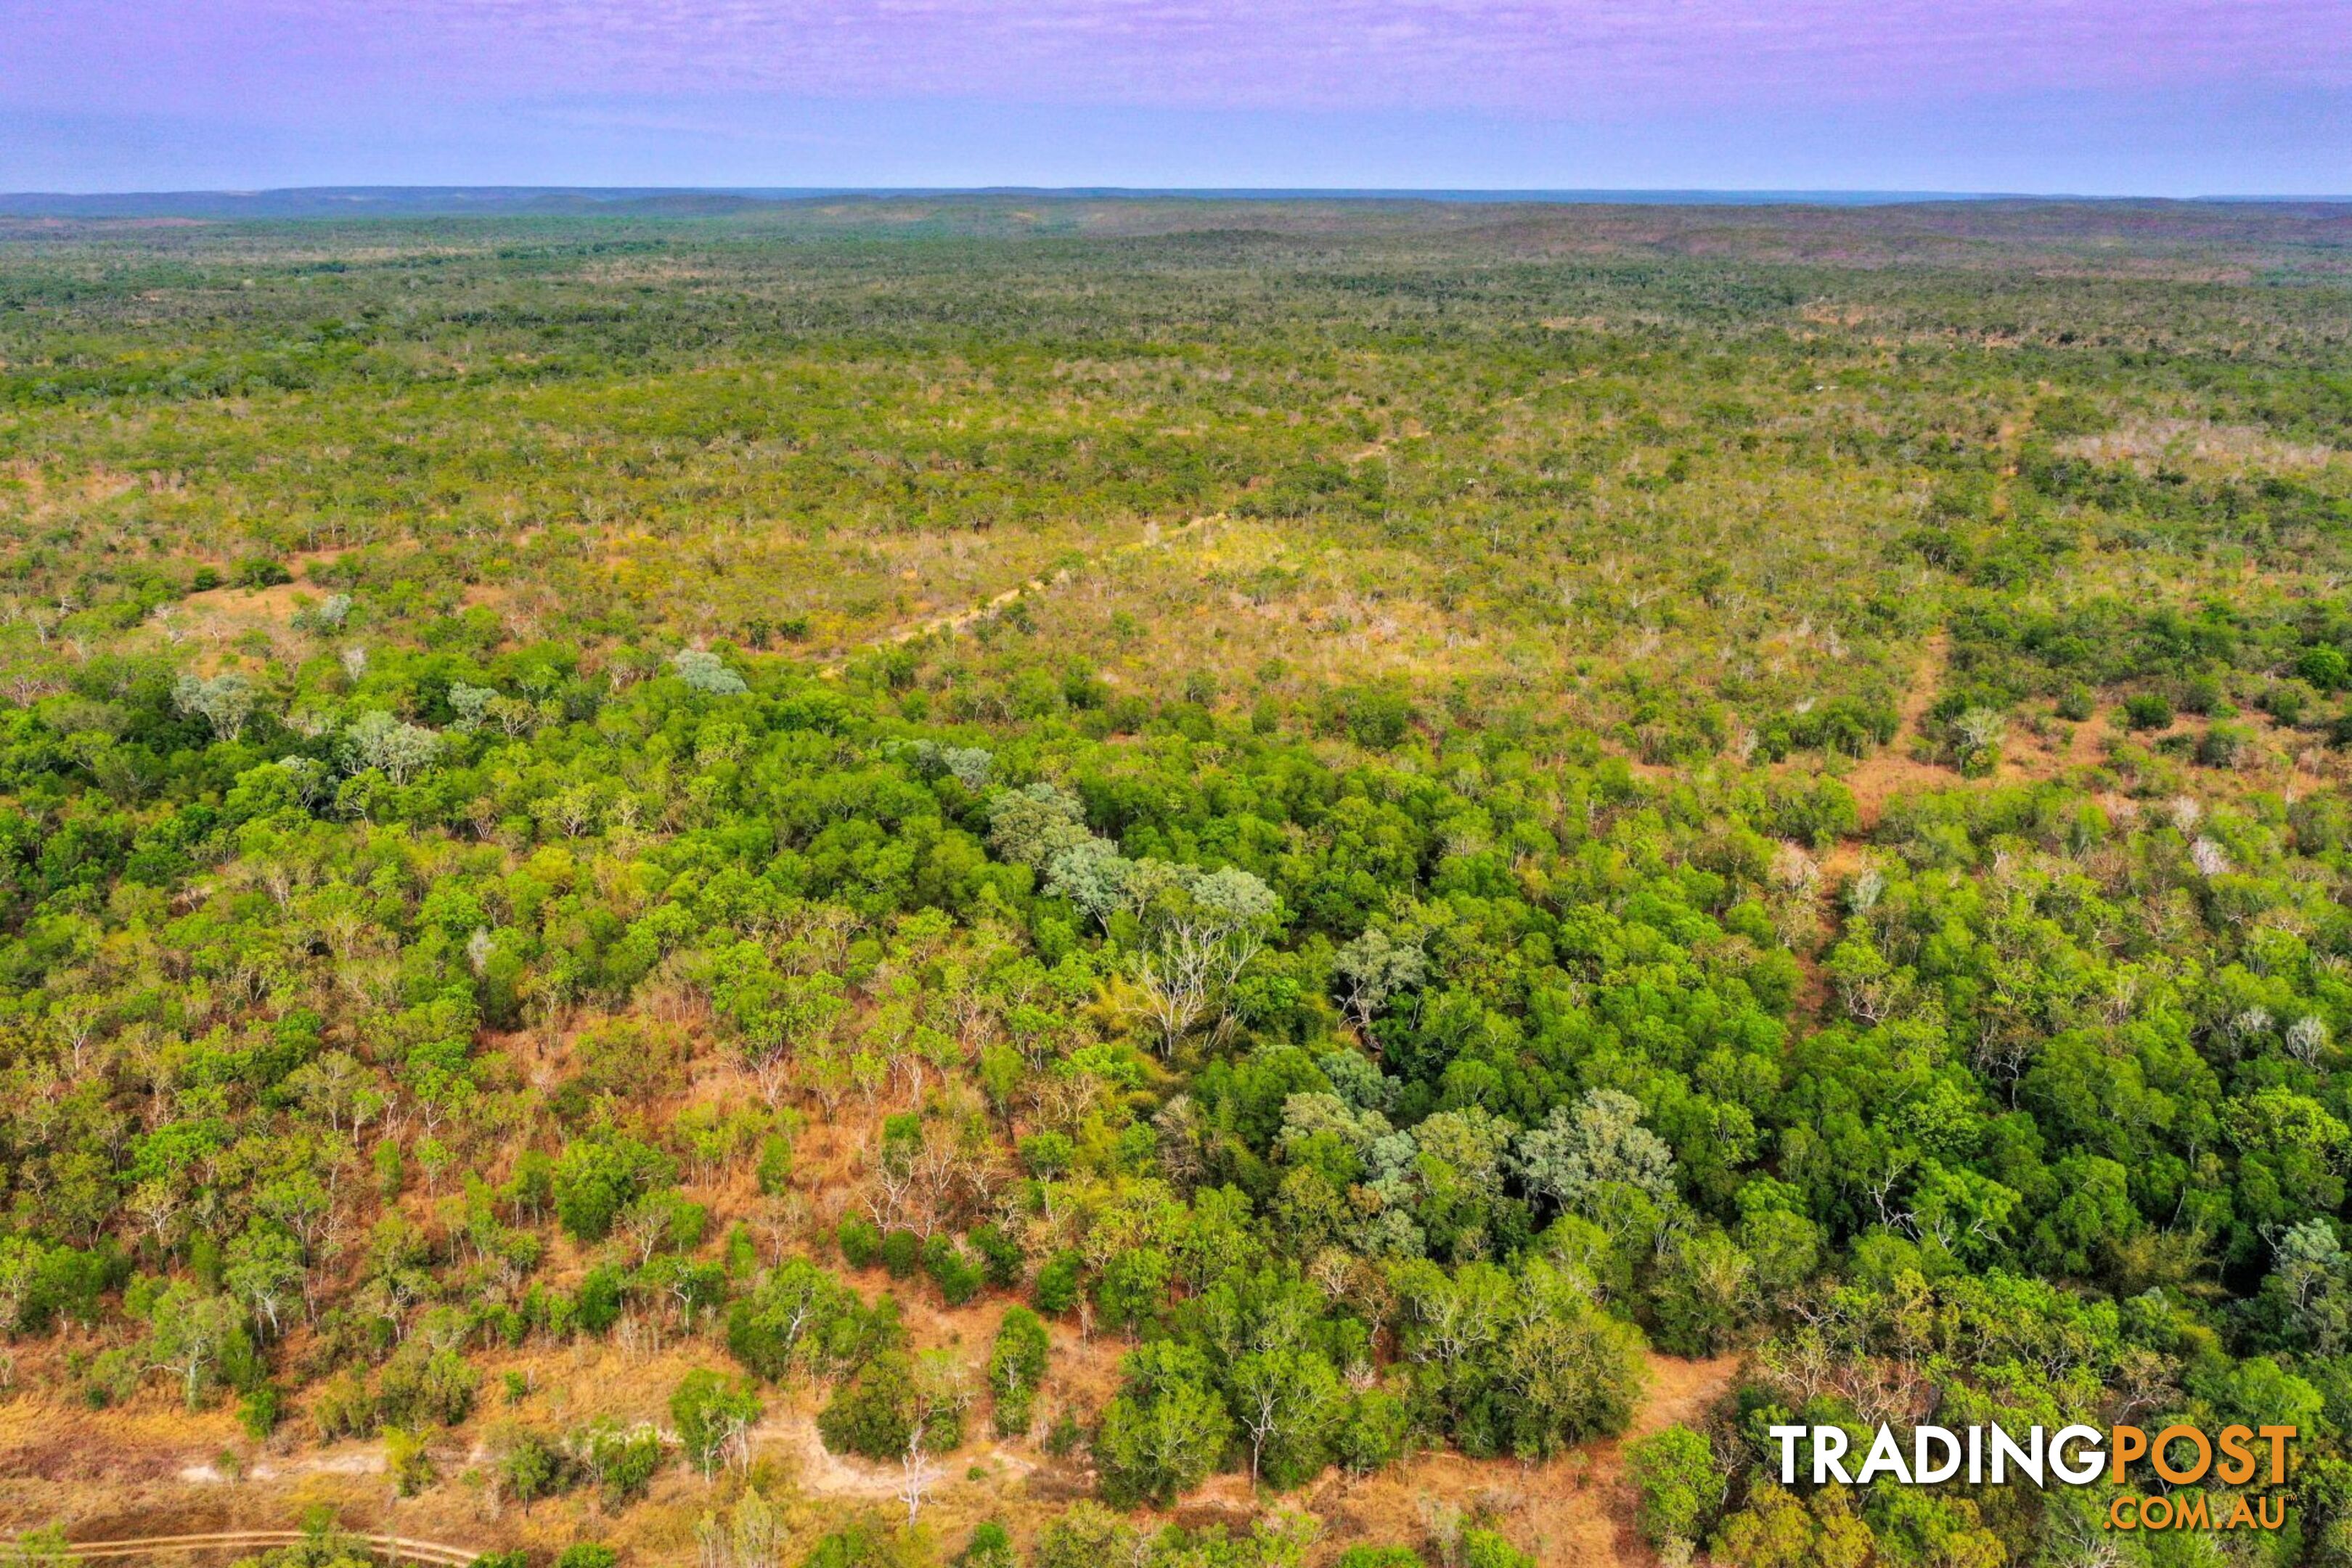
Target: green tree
[714, 1419]
[194, 1336]
[1167, 1430]
[265, 1271]
[1288, 1402]
[784, 1323]
[1599, 1140]
[1017, 1369]
[1677, 1484]
[527, 1464]
[596, 1179]
[1086, 1535]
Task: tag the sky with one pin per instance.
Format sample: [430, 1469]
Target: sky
[2096, 97]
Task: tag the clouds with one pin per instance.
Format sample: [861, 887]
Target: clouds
[2073, 94]
[1561, 58]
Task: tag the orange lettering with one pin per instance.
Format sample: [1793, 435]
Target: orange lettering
[2130, 1442]
[2164, 1465]
[2279, 1436]
[2237, 1459]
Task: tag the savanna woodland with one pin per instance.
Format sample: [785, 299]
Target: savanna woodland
[1213, 885]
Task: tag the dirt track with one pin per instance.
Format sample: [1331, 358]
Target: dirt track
[1574, 1512]
[956, 620]
[395, 1548]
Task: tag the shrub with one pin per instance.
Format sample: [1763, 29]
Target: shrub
[2286, 702]
[798, 1315]
[1485, 1549]
[2224, 745]
[423, 1386]
[1701, 1293]
[1016, 1366]
[1678, 1486]
[627, 1462]
[1088, 1536]
[999, 1256]
[872, 1414]
[408, 1460]
[258, 1412]
[596, 1179]
[901, 1251]
[711, 1416]
[775, 1169]
[527, 1466]
[864, 1544]
[991, 1546]
[1047, 1155]
[1133, 1289]
[2203, 694]
[597, 1305]
[1058, 1282]
[2147, 710]
[1373, 1434]
[957, 1276]
[1166, 1430]
[861, 1242]
[2325, 667]
[1378, 719]
[343, 1407]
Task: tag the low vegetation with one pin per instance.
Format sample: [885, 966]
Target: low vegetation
[1157, 846]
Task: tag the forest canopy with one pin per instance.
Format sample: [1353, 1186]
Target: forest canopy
[1100, 875]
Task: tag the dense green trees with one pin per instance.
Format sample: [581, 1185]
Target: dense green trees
[465, 823]
[1166, 1430]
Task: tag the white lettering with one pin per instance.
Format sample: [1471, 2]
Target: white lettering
[1787, 1436]
[1828, 1451]
[1885, 1454]
[2086, 1470]
[2005, 1448]
[1923, 1471]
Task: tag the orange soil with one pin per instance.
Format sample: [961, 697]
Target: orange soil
[1575, 1511]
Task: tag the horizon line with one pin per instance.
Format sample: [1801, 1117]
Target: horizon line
[358, 197]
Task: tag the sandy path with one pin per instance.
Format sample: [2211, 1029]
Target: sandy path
[398, 1548]
[1153, 538]
[1891, 769]
[824, 1473]
[1574, 1512]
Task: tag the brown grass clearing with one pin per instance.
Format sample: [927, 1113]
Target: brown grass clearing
[1574, 1512]
[2145, 443]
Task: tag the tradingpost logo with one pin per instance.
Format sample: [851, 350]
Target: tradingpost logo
[2182, 1455]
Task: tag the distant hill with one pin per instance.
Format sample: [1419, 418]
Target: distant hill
[402, 201]
[435, 200]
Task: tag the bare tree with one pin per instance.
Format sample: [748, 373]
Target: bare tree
[1200, 932]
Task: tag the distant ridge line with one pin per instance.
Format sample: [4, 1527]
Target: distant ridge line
[445, 201]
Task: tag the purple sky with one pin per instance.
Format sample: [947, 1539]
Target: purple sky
[2167, 96]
